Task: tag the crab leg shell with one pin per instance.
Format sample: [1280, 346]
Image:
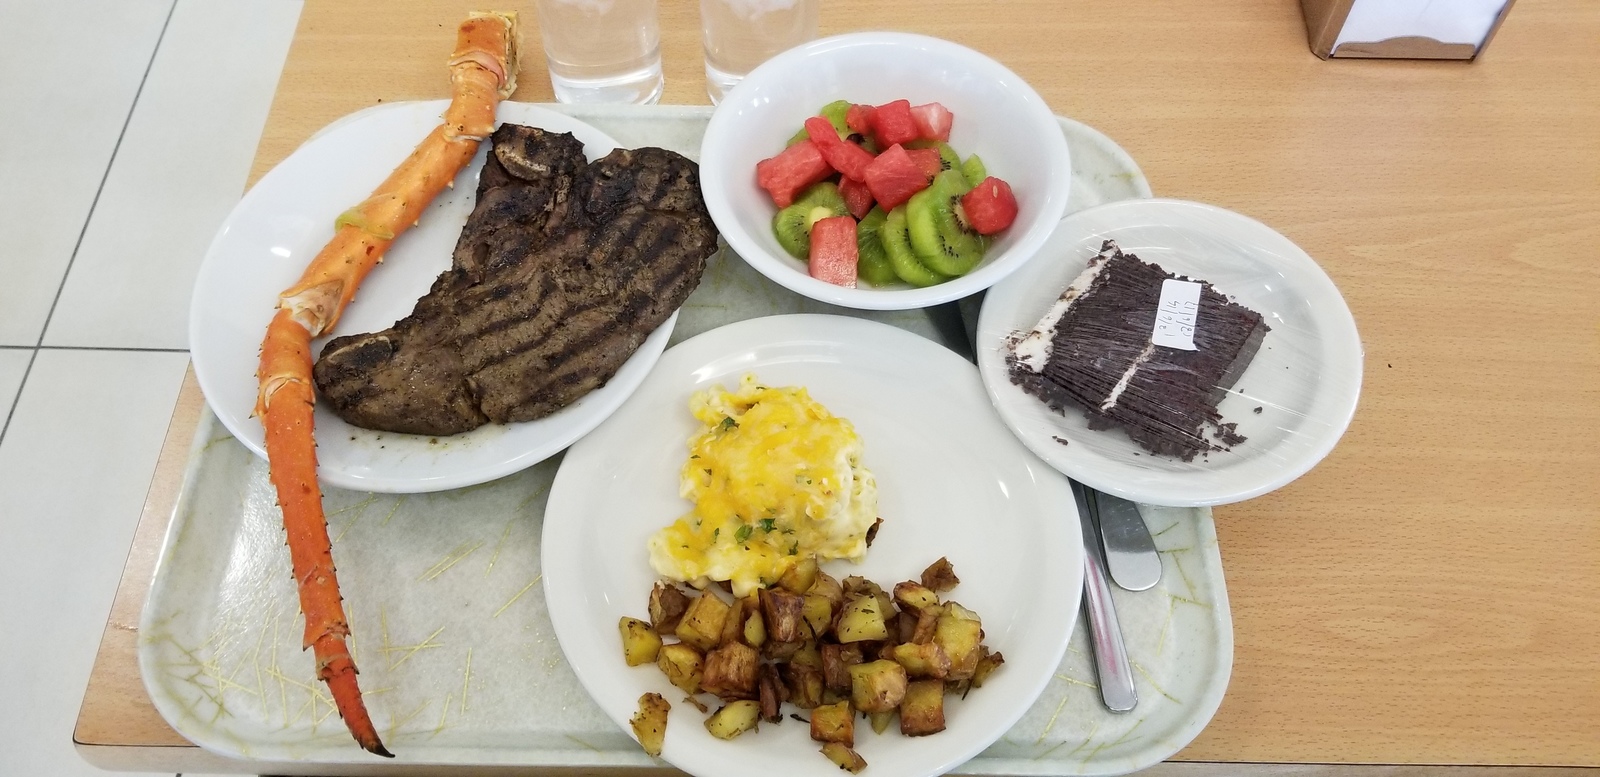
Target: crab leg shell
[483, 70]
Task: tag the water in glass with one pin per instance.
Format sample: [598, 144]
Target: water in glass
[602, 51]
[740, 34]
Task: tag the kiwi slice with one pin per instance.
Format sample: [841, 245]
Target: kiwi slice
[973, 170]
[897, 245]
[872, 263]
[792, 225]
[835, 113]
[941, 240]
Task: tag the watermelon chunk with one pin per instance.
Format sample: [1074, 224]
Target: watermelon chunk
[857, 197]
[833, 251]
[892, 123]
[789, 173]
[842, 155]
[990, 206]
[893, 177]
[933, 121]
[927, 159]
[859, 119]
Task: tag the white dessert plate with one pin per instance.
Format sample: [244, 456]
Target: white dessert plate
[1292, 404]
[276, 229]
[951, 480]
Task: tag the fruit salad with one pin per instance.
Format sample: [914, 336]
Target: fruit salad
[875, 193]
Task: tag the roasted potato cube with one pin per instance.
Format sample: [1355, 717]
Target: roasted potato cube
[755, 628]
[956, 610]
[733, 623]
[734, 719]
[818, 612]
[828, 588]
[927, 624]
[770, 692]
[878, 686]
[862, 619]
[830, 696]
[781, 651]
[904, 627]
[667, 605]
[682, 665]
[922, 712]
[847, 759]
[800, 577]
[927, 660]
[731, 671]
[834, 723]
[640, 643]
[987, 663]
[914, 596]
[650, 723]
[836, 663]
[784, 614]
[881, 721]
[804, 684]
[960, 639]
[702, 622]
[940, 576]
[808, 655]
[856, 585]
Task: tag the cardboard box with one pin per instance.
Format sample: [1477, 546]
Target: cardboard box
[1402, 29]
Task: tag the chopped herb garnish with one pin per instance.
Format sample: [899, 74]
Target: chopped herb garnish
[727, 423]
[742, 534]
[795, 548]
[715, 532]
[766, 524]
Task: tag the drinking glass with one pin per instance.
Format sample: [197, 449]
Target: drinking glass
[740, 34]
[602, 51]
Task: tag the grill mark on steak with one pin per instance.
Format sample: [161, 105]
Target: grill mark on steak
[561, 272]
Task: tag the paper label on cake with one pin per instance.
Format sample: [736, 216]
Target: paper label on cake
[1180, 304]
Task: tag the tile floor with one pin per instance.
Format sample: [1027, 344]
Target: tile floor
[137, 140]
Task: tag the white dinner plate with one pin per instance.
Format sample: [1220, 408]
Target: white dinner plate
[270, 237]
[951, 482]
[1292, 403]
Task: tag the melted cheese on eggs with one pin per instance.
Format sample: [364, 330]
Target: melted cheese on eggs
[774, 478]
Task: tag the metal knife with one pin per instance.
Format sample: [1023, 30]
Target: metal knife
[1105, 633]
[1131, 555]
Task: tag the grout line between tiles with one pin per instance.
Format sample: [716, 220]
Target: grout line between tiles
[94, 203]
[17, 400]
[113, 348]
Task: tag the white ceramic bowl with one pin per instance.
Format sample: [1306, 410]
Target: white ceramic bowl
[997, 116]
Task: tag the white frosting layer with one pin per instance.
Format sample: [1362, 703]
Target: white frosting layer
[1033, 349]
[1127, 377]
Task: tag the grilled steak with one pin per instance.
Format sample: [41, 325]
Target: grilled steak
[562, 271]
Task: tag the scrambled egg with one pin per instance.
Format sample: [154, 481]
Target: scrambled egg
[774, 478]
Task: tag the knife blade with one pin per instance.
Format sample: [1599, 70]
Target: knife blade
[1131, 555]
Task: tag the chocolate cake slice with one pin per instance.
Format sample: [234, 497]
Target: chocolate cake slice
[1094, 350]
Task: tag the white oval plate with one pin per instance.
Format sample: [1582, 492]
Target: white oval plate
[270, 237]
[952, 482]
[1305, 378]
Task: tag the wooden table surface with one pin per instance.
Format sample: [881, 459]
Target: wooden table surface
[1425, 595]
